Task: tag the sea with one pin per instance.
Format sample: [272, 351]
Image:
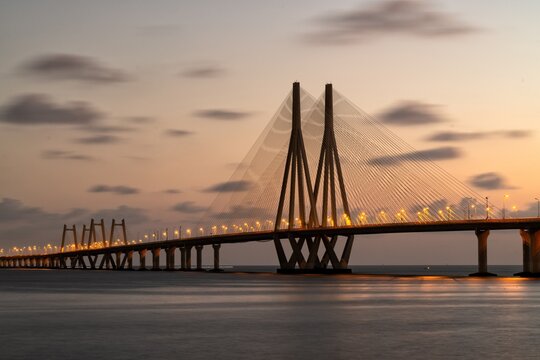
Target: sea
[250, 312]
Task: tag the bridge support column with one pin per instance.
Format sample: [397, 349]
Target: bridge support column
[155, 259]
[129, 261]
[216, 258]
[535, 252]
[183, 258]
[199, 249]
[107, 262]
[82, 263]
[119, 261]
[188, 257]
[482, 236]
[170, 258]
[142, 259]
[92, 259]
[527, 263]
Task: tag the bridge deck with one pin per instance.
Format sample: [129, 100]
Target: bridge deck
[390, 228]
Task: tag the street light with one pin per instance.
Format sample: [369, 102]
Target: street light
[514, 211]
[487, 208]
[504, 205]
[538, 214]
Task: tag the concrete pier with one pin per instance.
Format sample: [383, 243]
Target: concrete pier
[118, 260]
[170, 258]
[188, 258]
[199, 249]
[482, 236]
[527, 263]
[216, 257]
[535, 251]
[129, 260]
[155, 259]
[183, 258]
[142, 259]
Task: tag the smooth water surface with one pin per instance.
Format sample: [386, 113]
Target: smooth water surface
[66, 314]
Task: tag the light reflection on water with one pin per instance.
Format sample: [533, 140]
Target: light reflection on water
[149, 315]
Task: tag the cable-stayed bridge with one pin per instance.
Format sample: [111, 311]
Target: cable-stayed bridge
[322, 172]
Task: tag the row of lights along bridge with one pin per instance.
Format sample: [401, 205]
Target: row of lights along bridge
[426, 215]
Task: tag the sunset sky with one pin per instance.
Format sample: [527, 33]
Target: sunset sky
[138, 109]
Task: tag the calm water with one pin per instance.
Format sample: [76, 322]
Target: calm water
[172, 315]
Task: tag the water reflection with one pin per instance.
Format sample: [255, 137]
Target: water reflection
[245, 316]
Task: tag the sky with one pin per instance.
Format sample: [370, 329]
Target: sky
[139, 109]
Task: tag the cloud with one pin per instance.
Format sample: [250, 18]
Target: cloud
[73, 67]
[140, 120]
[390, 17]
[442, 153]
[515, 134]
[456, 136]
[220, 114]
[65, 155]
[24, 225]
[136, 158]
[108, 129]
[411, 113]
[178, 133]
[14, 210]
[241, 212]
[230, 186]
[39, 109]
[533, 210]
[130, 214]
[489, 181]
[188, 207]
[172, 191]
[98, 139]
[203, 72]
[119, 189]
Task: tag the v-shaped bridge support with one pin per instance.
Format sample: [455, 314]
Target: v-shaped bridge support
[297, 171]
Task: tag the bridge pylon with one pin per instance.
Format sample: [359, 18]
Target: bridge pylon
[297, 170]
[329, 173]
[65, 230]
